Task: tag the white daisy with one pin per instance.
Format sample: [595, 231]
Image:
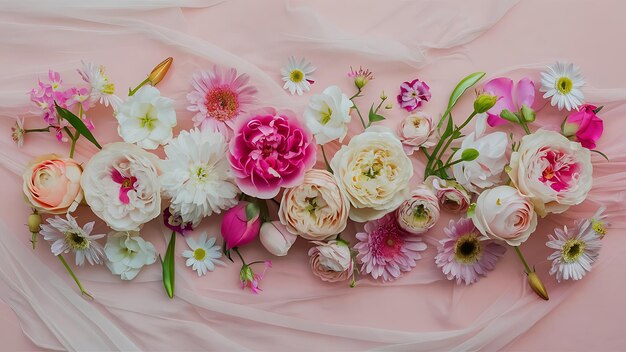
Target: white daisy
[67, 236]
[576, 251]
[598, 222]
[204, 254]
[297, 76]
[197, 175]
[101, 89]
[563, 82]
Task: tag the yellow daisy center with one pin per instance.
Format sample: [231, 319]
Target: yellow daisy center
[76, 241]
[599, 228]
[564, 85]
[296, 76]
[572, 250]
[199, 254]
[467, 249]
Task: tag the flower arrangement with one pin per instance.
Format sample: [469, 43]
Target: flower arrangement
[240, 158]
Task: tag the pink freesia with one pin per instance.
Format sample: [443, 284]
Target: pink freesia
[413, 94]
[509, 98]
[271, 150]
[127, 184]
[585, 125]
[237, 228]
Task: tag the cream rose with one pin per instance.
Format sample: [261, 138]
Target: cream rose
[554, 172]
[121, 186]
[374, 173]
[417, 130]
[52, 184]
[420, 212]
[502, 213]
[316, 209]
[331, 261]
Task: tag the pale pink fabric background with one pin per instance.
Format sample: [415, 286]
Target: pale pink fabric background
[439, 42]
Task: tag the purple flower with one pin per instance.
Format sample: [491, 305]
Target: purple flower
[175, 222]
[413, 94]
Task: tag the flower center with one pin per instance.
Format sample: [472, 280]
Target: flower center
[296, 76]
[76, 241]
[201, 174]
[199, 254]
[374, 170]
[599, 228]
[312, 206]
[564, 85]
[572, 250]
[127, 184]
[148, 121]
[108, 88]
[559, 171]
[222, 103]
[326, 115]
[467, 249]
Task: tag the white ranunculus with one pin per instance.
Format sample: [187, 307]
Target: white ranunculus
[417, 130]
[484, 171]
[121, 186]
[374, 172]
[502, 213]
[146, 118]
[127, 253]
[328, 115]
[554, 172]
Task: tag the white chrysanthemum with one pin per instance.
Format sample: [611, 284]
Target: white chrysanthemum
[67, 236]
[121, 186]
[197, 175]
[101, 89]
[328, 115]
[297, 76]
[146, 118]
[127, 253]
[563, 82]
[204, 254]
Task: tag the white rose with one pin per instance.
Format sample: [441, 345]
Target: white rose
[146, 118]
[374, 172]
[121, 186]
[502, 213]
[417, 130]
[486, 169]
[420, 212]
[554, 172]
[328, 115]
[127, 253]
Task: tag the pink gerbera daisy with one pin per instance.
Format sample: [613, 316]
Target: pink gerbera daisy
[385, 250]
[219, 97]
[465, 254]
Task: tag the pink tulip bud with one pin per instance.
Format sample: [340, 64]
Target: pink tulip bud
[241, 224]
[275, 238]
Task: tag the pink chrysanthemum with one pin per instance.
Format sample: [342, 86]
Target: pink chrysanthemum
[465, 254]
[219, 97]
[385, 250]
[413, 94]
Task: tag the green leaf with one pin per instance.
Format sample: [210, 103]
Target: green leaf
[77, 123]
[597, 110]
[599, 152]
[252, 211]
[460, 88]
[373, 117]
[469, 154]
[168, 267]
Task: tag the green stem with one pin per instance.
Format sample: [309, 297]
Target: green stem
[33, 239]
[132, 92]
[360, 117]
[521, 257]
[47, 129]
[326, 160]
[522, 122]
[357, 94]
[438, 152]
[236, 250]
[447, 165]
[379, 105]
[73, 139]
[69, 270]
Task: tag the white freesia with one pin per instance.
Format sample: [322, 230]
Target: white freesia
[417, 130]
[554, 172]
[374, 172]
[121, 186]
[486, 170]
[197, 175]
[146, 118]
[328, 115]
[127, 253]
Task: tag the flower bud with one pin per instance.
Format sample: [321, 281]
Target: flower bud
[528, 114]
[160, 71]
[535, 283]
[240, 224]
[275, 238]
[389, 106]
[34, 221]
[484, 102]
[509, 116]
[383, 96]
[469, 154]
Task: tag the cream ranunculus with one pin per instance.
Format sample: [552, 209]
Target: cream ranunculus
[374, 173]
[121, 186]
[52, 184]
[328, 115]
[554, 172]
[420, 212]
[503, 213]
[316, 209]
[417, 130]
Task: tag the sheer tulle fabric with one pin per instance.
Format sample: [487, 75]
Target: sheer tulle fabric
[297, 311]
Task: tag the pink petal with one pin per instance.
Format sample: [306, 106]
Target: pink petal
[525, 93]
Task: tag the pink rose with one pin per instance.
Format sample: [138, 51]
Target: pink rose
[451, 195]
[331, 261]
[275, 238]
[52, 184]
[240, 224]
[271, 150]
[584, 125]
[417, 130]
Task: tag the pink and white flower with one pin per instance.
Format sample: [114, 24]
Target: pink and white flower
[584, 126]
[510, 98]
[413, 94]
[67, 236]
[271, 149]
[417, 130]
[420, 212]
[451, 195]
[331, 261]
[248, 278]
[386, 250]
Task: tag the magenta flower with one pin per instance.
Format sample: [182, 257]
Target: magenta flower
[385, 250]
[47, 94]
[271, 150]
[413, 94]
[241, 224]
[218, 98]
[175, 222]
[465, 254]
[127, 184]
[249, 279]
[508, 98]
[584, 125]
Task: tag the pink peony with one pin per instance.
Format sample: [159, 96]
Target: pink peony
[413, 94]
[240, 224]
[502, 88]
[584, 125]
[385, 250]
[271, 150]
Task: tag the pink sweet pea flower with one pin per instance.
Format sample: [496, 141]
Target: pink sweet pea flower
[584, 125]
[240, 224]
[249, 279]
[509, 98]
